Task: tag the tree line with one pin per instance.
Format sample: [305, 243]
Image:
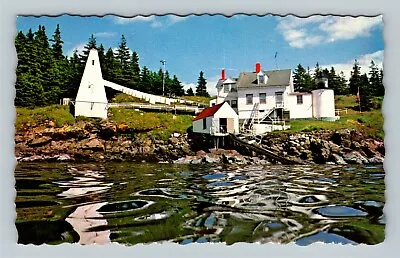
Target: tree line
[44, 75]
[364, 86]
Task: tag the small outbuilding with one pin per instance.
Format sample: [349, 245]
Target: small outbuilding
[218, 120]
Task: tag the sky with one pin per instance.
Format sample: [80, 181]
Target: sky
[191, 44]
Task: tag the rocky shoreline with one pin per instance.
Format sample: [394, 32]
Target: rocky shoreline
[87, 141]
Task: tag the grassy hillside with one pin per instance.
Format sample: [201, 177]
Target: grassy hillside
[161, 125]
[370, 122]
[156, 125]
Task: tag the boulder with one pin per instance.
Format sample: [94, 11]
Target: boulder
[355, 158]
[338, 159]
[94, 144]
[40, 141]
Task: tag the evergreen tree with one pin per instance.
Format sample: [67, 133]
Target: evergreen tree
[102, 57]
[74, 75]
[308, 81]
[57, 44]
[299, 77]
[49, 71]
[176, 87]
[110, 71]
[365, 93]
[355, 78]
[145, 80]
[134, 69]
[381, 91]
[123, 75]
[190, 92]
[377, 88]
[341, 86]
[201, 89]
[86, 49]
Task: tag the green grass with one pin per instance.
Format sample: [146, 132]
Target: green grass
[158, 125]
[204, 100]
[59, 114]
[370, 122]
[122, 97]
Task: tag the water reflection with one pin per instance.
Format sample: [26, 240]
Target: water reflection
[146, 203]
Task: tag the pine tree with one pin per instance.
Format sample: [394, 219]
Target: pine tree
[123, 74]
[134, 71]
[381, 91]
[50, 72]
[365, 93]
[190, 92]
[176, 87]
[299, 79]
[308, 81]
[102, 57]
[74, 78]
[341, 86]
[110, 71]
[355, 78]
[377, 88]
[145, 80]
[86, 49]
[201, 89]
[57, 44]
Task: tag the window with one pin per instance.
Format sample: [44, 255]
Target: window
[233, 88]
[92, 62]
[204, 123]
[226, 88]
[234, 103]
[299, 99]
[263, 98]
[260, 78]
[279, 99]
[249, 99]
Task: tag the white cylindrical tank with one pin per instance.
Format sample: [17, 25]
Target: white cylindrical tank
[323, 104]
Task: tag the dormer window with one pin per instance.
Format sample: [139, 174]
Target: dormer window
[227, 88]
[261, 78]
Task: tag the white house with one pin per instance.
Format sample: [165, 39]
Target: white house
[218, 120]
[262, 98]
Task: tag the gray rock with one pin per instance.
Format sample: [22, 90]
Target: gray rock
[64, 157]
[355, 158]
[338, 159]
[376, 159]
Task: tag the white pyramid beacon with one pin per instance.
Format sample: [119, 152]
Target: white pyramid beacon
[91, 100]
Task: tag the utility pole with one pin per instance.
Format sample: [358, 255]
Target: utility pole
[163, 78]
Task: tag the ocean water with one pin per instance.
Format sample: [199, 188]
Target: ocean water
[131, 203]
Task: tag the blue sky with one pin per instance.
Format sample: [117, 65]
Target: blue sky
[207, 43]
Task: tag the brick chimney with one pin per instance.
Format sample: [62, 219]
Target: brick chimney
[223, 74]
[258, 67]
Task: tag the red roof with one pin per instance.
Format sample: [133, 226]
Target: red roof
[208, 112]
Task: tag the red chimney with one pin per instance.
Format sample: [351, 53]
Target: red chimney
[258, 67]
[223, 74]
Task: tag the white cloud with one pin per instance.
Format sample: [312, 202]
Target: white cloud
[80, 47]
[301, 32]
[344, 28]
[155, 21]
[364, 62]
[105, 34]
[186, 86]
